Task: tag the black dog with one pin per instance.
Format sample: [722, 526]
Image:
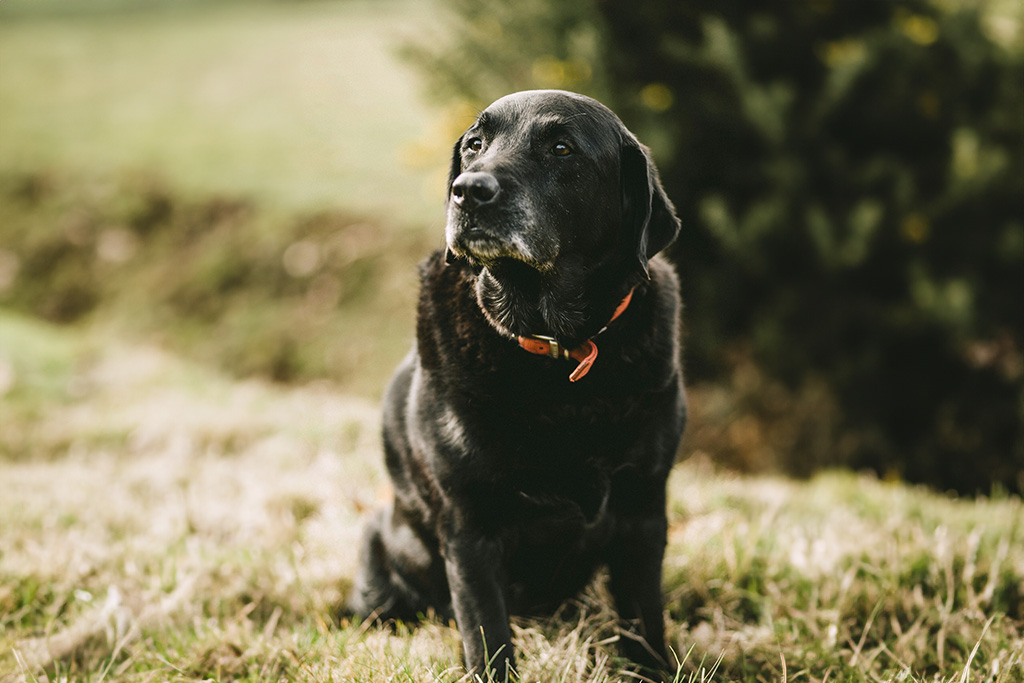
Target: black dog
[517, 474]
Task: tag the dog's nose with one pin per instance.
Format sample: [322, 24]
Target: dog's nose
[474, 189]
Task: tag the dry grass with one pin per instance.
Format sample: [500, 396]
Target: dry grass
[177, 525]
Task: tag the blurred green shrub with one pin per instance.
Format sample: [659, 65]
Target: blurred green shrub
[849, 175]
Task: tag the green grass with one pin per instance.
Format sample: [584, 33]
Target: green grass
[295, 297]
[303, 105]
[159, 158]
[186, 526]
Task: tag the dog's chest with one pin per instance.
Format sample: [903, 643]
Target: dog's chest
[554, 462]
[557, 498]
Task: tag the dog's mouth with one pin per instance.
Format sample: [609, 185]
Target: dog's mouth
[484, 246]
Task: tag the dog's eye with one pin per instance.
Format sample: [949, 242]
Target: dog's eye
[475, 144]
[560, 149]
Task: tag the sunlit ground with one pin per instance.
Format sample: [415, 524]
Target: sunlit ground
[164, 522]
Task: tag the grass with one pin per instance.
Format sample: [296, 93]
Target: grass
[160, 158]
[181, 525]
[303, 105]
[226, 280]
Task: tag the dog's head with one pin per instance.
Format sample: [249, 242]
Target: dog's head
[546, 178]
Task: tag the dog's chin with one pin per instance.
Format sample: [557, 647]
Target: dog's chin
[487, 252]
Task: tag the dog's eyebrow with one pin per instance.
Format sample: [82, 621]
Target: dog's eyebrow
[490, 121]
[548, 120]
[552, 123]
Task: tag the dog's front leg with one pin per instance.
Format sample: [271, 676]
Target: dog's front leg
[634, 570]
[473, 565]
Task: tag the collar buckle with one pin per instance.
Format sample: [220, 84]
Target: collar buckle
[584, 354]
[555, 349]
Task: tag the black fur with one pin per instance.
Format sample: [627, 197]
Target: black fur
[512, 485]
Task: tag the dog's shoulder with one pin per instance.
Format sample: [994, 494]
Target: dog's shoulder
[665, 326]
[664, 275]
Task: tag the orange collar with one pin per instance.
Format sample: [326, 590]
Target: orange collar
[585, 354]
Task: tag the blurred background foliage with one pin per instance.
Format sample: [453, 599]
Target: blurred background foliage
[252, 182]
[290, 297]
[225, 179]
[850, 176]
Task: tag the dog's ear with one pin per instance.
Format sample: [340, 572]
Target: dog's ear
[453, 172]
[649, 218]
[456, 167]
